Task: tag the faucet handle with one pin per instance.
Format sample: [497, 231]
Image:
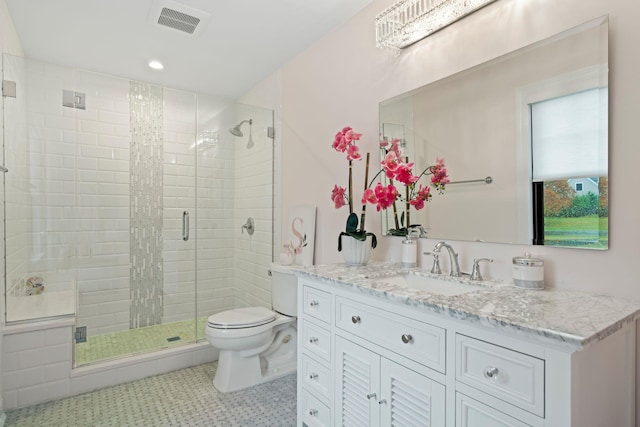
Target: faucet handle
[435, 269]
[475, 271]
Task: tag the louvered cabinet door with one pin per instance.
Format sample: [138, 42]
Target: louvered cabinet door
[410, 399]
[357, 385]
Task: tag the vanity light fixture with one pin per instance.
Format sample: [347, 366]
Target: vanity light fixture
[156, 65]
[409, 21]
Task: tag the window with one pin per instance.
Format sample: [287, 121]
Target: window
[569, 170]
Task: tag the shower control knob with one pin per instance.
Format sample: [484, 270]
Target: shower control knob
[355, 319]
[313, 376]
[313, 340]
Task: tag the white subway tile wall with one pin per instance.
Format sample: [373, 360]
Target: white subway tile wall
[253, 188]
[67, 200]
[69, 211]
[36, 366]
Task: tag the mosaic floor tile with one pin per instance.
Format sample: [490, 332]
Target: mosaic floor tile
[181, 398]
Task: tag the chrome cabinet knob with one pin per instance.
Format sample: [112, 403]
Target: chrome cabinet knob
[314, 303]
[355, 319]
[313, 412]
[313, 376]
[313, 340]
[382, 402]
[491, 373]
[371, 396]
[406, 338]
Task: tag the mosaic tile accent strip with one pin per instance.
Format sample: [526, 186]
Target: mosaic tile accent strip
[145, 214]
[140, 340]
[180, 398]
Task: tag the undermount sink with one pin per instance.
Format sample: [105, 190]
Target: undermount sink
[430, 284]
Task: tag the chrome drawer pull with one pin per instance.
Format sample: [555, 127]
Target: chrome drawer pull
[313, 377]
[382, 402]
[406, 338]
[491, 373]
[313, 340]
[314, 303]
[371, 396]
[355, 319]
[313, 412]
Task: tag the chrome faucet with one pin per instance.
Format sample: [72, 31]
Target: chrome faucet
[453, 258]
[475, 271]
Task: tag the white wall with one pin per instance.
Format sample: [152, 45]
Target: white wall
[340, 80]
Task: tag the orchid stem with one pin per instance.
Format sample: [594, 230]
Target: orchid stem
[407, 200]
[350, 181]
[395, 210]
[364, 205]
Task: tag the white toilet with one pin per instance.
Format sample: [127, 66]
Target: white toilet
[257, 344]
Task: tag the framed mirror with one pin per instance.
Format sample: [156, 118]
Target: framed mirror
[525, 141]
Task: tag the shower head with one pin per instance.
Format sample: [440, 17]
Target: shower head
[236, 129]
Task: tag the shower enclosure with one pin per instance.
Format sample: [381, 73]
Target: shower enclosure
[124, 206]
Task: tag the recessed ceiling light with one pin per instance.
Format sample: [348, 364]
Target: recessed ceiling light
[156, 65]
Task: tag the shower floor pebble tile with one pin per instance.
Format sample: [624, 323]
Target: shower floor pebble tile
[181, 398]
[139, 340]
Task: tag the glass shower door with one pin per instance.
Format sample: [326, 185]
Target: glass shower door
[40, 236]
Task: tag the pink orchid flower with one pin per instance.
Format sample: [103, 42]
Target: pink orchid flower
[369, 196]
[350, 135]
[417, 203]
[404, 175]
[338, 197]
[352, 153]
[390, 164]
[385, 196]
[395, 146]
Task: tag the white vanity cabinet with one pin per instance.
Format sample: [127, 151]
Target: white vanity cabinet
[374, 391]
[368, 360]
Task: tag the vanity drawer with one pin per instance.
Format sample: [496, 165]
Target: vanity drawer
[314, 412]
[317, 304]
[316, 376]
[473, 413]
[410, 338]
[514, 377]
[316, 340]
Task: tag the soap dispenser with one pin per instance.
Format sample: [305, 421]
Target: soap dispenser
[410, 249]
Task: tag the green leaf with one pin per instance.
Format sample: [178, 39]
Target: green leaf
[397, 231]
[352, 223]
[358, 235]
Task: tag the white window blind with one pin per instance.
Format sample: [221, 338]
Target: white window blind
[569, 136]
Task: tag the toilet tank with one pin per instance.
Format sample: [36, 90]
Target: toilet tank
[284, 290]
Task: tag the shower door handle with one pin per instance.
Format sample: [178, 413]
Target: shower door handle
[185, 225]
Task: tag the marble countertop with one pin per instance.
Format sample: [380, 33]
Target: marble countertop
[574, 318]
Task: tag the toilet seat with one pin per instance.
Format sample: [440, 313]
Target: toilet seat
[241, 318]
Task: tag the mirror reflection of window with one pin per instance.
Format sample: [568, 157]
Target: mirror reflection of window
[569, 150]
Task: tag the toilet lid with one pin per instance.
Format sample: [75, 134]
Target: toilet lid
[245, 317]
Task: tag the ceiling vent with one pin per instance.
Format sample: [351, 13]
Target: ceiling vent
[171, 14]
[178, 20]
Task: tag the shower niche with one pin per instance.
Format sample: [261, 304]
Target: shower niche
[127, 214]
